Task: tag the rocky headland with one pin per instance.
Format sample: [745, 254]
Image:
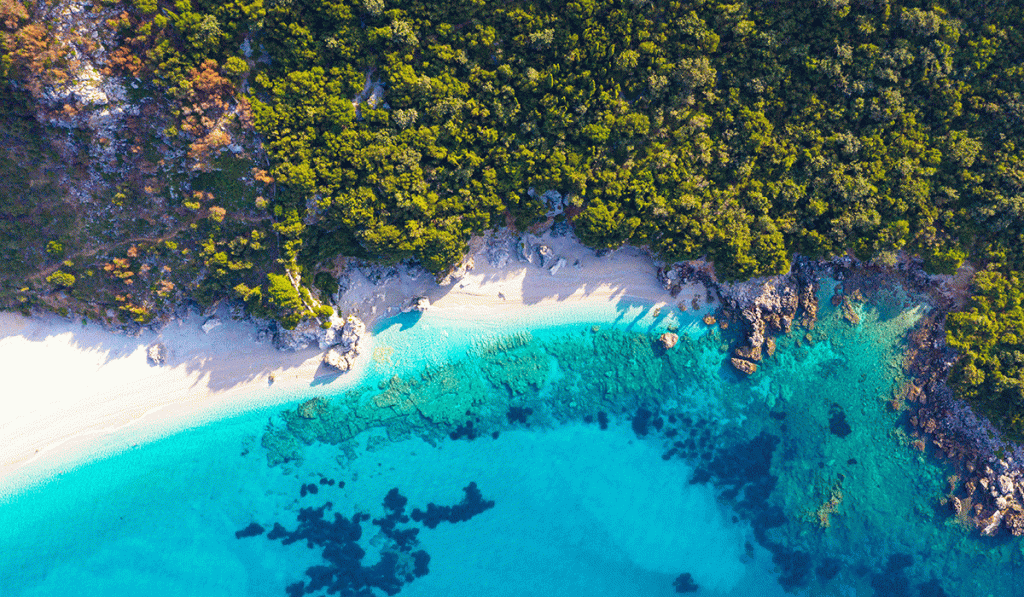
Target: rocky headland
[986, 492]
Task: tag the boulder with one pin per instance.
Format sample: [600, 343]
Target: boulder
[419, 303]
[1014, 523]
[343, 354]
[744, 366]
[525, 249]
[209, 324]
[709, 320]
[990, 525]
[750, 353]
[546, 254]
[340, 358]
[668, 340]
[557, 266]
[156, 354]
[1006, 485]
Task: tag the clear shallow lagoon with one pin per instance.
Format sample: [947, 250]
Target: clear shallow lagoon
[752, 486]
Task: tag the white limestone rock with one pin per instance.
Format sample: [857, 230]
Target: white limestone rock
[209, 324]
[156, 354]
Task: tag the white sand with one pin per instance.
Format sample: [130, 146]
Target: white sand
[67, 386]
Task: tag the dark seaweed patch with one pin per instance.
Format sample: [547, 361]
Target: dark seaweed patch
[470, 506]
[518, 414]
[932, 589]
[837, 421]
[684, 584]
[828, 568]
[464, 431]
[893, 581]
[641, 421]
[602, 419]
[252, 530]
[343, 572]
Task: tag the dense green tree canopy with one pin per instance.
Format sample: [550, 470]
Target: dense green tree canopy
[990, 336]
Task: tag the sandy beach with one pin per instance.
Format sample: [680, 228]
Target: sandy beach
[69, 386]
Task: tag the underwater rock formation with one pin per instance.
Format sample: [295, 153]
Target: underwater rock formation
[668, 340]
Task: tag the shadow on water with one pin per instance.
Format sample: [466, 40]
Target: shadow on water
[403, 321]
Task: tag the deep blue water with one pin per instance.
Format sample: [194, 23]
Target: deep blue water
[614, 467]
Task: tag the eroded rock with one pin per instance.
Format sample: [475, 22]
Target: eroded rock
[668, 340]
[744, 366]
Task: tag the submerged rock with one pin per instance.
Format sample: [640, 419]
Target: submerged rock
[668, 340]
[849, 313]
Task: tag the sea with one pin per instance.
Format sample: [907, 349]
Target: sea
[560, 450]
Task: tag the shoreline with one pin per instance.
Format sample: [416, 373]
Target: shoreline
[74, 392]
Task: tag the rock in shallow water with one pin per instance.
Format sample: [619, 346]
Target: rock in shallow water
[744, 366]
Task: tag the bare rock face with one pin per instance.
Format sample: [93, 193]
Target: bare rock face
[156, 354]
[306, 334]
[1014, 522]
[744, 366]
[339, 358]
[989, 525]
[668, 340]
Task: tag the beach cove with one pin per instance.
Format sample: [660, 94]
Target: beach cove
[611, 460]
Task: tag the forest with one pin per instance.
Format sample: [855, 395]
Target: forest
[746, 131]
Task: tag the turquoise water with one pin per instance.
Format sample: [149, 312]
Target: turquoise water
[615, 467]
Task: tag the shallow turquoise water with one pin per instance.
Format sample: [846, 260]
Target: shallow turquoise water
[741, 483]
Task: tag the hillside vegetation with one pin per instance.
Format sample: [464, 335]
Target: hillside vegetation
[745, 131]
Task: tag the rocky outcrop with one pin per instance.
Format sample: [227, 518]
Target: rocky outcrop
[546, 254]
[668, 340]
[343, 354]
[156, 354]
[849, 313]
[744, 366]
[209, 324]
[419, 304]
[765, 306]
[750, 353]
[311, 333]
